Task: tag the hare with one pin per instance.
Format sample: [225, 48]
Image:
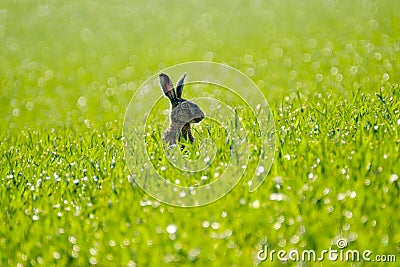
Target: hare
[183, 112]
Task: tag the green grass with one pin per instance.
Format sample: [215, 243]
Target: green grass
[330, 71]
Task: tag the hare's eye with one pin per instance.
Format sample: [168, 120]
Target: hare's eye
[185, 105]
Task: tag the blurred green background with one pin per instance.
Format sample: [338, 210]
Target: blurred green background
[80, 61]
[68, 69]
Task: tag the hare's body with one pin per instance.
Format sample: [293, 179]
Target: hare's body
[186, 132]
[174, 131]
[183, 112]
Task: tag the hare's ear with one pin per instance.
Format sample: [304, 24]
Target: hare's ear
[179, 86]
[167, 87]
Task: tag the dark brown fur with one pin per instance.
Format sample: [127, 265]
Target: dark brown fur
[183, 112]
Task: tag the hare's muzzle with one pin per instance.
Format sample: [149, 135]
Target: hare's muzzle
[198, 119]
[200, 116]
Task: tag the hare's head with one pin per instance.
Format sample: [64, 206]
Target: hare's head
[182, 111]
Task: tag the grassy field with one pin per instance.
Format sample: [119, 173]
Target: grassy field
[329, 69]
